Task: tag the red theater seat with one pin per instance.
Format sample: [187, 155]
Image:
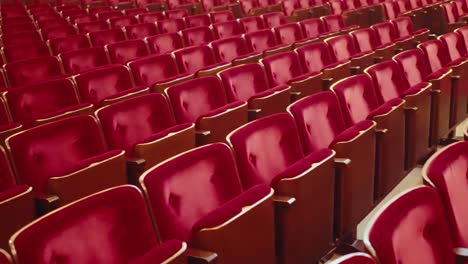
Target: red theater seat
[171, 25]
[109, 15]
[251, 24]
[135, 11]
[222, 16]
[26, 51]
[411, 228]
[103, 37]
[20, 38]
[124, 51]
[268, 151]
[207, 107]
[33, 70]
[44, 102]
[123, 21]
[51, 23]
[249, 83]
[227, 29]
[226, 214]
[386, 34]
[93, 26]
[291, 34]
[274, 19]
[176, 13]
[164, 43]
[58, 32]
[234, 50]
[343, 49]
[197, 20]
[82, 60]
[61, 171]
[69, 43]
[335, 23]
[264, 41]
[198, 60]
[107, 85]
[366, 41]
[121, 209]
[20, 27]
[314, 28]
[5, 258]
[151, 17]
[359, 102]
[149, 139]
[140, 31]
[354, 258]
[197, 35]
[320, 124]
[404, 28]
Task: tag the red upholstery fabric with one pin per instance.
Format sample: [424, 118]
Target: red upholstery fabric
[265, 148]
[404, 26]
[153, 69]
[194, 98]
[244, 81]
[151, 17]
[197, 20]
[20, 38]
[274, 19]
[453, 43]
[197, 35]
[32, 102]
[388, 80]
[135, 11]
[190, 60]
[260, 40]
[463, 32]
[160, 253]
[69, 43]
[176, 13]
[99, 84]
[251, 24]
[333, 23]
[208, 170]
[413, 65]
[282, 67]
[365, 39]
[92, 26]
[104, 37]
[32, 70]
[354, 258]
[228, 49]
[313, 27]
[342, 48]
[112, 226]
[222, 16]
[7, 180]
[82, 60]
[171, 25]
[314, 57]
[20, 27]
[120, 22]
[109, 14]
[227, 29]
[288, 33]
[26, 51]
[140, 31]
[134, 120]
[435, 54]
[412, 229]
[58, 32]
[48, 150]
[248, 5]
[447, 172]
[385, 108]
[124, 51]
[165, 43]
[385, 32]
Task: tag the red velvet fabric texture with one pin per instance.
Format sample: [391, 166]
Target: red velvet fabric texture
[120, 22]
[32, 70]
[140, 31]
[222, 16]
[288, 33]
[194, 98]
[227, 29]
[52, 149]
[191, 59]
[265, 148]
[123, 130]
[260, 40]
[453, 43]
[20, 38]
[92, 26]
[151, 17]
[153, 69]
[7, 179]
[26, 51]
[251, 24]
[342, 48]
[385, 33]
[164, 43]
[69, 43]
[448, 171]
[210, 179]
[463, 31]
[313, 27]
[403, 26]
[160, 253]
[104, 37]
[197, 20]
[333, 23]
[274, 19]
[435, 55]
[314, 57]
[244, 81]
[4, 258]
[171, 25]
[32, 102]
[82, 60]
[388, 80]
[413, 65]
[228, 49]
[176, 13]
[282, 67]
[355, 258]
[96, 85]
[412, 229]
[58, 32]
[109, 227]
[124, 51]
[365, 39]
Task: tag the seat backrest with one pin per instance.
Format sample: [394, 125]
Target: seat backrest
[51, 23]
[121, 210]
[109, 14]
[93, 10]
[197, 35]
[288, 33]
[20, 38]
[319, 120]
[289, 6]
[191, 59]
[54, 149]
[450, 12]
[92, 26]
[403, 26]
[178, 209]
[260, 40]
[164, 43]
[140, 31]
[274, 19]
[244, 81]
[104, 37]
[312, 27]
[81, 19]
[227, 29]
[247, 5]
[342, 47]
[413, 65]
[171, 25]
[388, 80]
[463, 31]
[314, 57]
[153, 69]
[124, 51]
[176, 13]
[69, 43]
[31, 102]
[122, 130]
[194, 98]
[151, 17]
[197, 20]
[58, 32]
[446, 172]
[96, 85]
[28, 71]
[391, 9]
[365, 39]
[403, 6]
[265, 148]
[435, 54]
[411, 229]
[251, 24]
[81, 60]
[135, 11]
[227, 49]
[282, 67]
[222, 16]
[26, 51]
[337, 7]
[385, 32]
[453, 43]
[20, 27]
[123, 21]
[357, 98]
[333, 23]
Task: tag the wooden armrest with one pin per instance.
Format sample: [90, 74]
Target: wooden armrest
[326, 83]
[136, 162]
[378, 59]
[196, 256]
[284, 200]
[342, 162]
[203, 133]
[410, 109]
[436, 91]
[47, 203]
[355, 69]
[381, 131]
[254, 110]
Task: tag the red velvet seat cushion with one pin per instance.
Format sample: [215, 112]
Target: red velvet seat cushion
[12, 192]
[87, 162]
[415, 89]
[303, 77]
[270, 91]
[64, 110]
[385, 108]
[164, 133]
[351, 132]
[160, 253]
[220, 110]
[437, 74]
[125, 92]
[457, 62]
